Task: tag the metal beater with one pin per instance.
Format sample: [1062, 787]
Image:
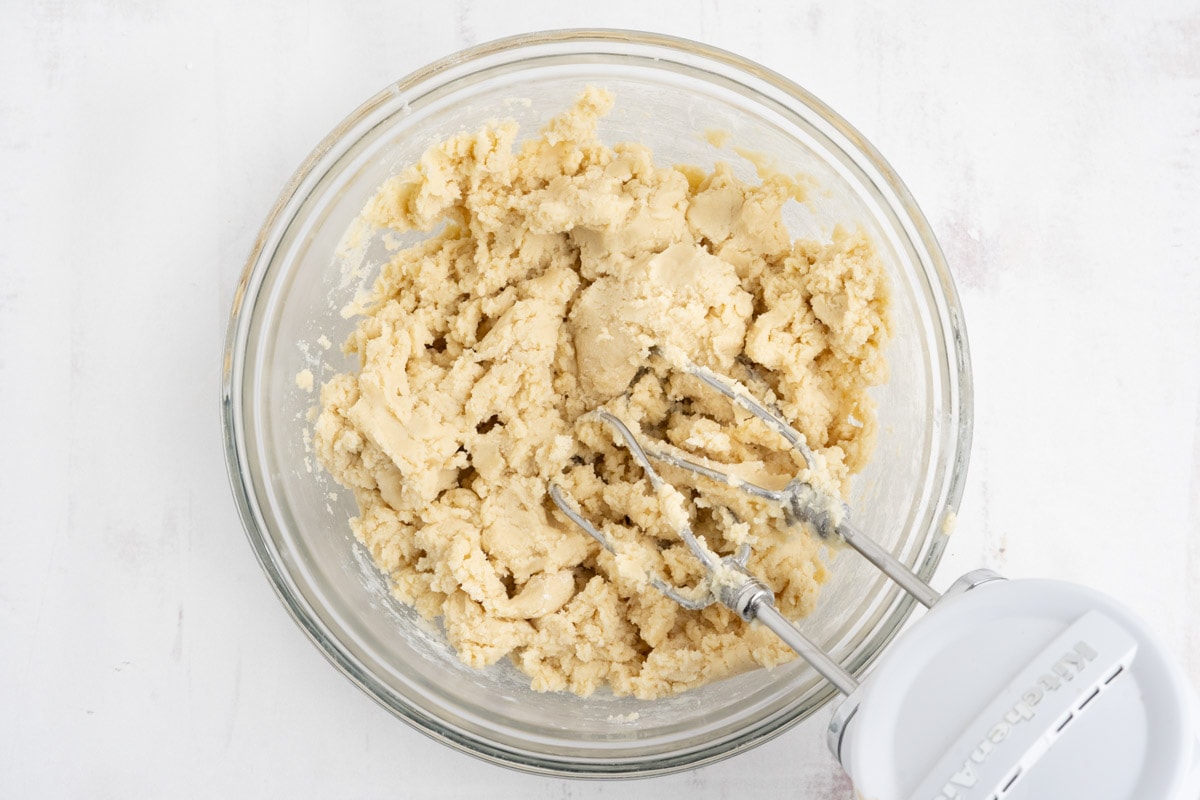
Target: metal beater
[996, 677]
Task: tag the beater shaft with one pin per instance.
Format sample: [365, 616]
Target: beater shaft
[888, 564]
[817, 658]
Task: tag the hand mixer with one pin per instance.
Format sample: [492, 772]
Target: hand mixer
[1032, 689]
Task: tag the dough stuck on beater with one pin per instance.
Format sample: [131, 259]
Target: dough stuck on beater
[557, 264]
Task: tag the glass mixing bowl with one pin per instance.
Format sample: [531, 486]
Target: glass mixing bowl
[303, 270]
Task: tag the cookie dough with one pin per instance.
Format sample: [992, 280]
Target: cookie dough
[551, 267]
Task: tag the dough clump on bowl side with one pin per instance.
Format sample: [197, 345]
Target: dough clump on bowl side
[551, 267]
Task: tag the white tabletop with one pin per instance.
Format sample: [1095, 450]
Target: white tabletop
[1055, 148]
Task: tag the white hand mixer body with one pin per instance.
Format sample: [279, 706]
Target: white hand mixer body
[1022, 689]
[1028, 689]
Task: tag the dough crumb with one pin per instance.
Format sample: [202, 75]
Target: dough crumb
[304, 380]
[552, 266]
[717, 137]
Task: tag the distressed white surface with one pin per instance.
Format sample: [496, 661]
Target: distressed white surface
[1055, 148]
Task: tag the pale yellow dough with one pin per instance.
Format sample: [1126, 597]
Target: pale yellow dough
[556, 264]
